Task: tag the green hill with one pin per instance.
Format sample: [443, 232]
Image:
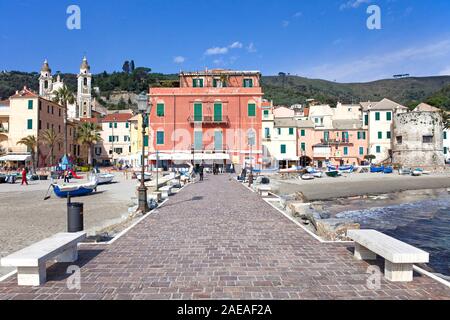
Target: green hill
[282, 89]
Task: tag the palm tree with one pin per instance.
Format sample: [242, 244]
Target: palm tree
[88, 134]
[64, 96]
[31, 143]
[51, 138]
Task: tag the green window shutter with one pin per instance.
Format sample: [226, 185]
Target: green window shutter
[217, 112]
[127, 125]
[326, 136]
[252, 110]
[160, 137]
[218, 140]
[110, 125]
[388, 135]
[198, 140]
[30, 124]
[266, 133]
[30, 104]
[266, 113]
[160, 110]
[359, 135]
[194, 83]
[377, 116]
[198, 112]
[303, 146]
[389, 116]
[378, 149]
[345, 151]
[380, 135]
[283, 149]
[115, 125]
[364, 135]
[303, 133]
[445, 150]
[110, 139]
[445, 135]
[366, 119]
[145, 141]
[361, 151]
[291, 131]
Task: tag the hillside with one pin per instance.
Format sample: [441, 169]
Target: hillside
[283, 89]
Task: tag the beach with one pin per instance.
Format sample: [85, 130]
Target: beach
[26, 218]
[350, 185]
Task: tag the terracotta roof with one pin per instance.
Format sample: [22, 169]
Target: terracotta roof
[90, 120]
[423, 107]
[24, 93]
[4, 103]
[387, 104]
[119, 117]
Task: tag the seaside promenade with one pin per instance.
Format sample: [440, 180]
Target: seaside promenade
[218, 240]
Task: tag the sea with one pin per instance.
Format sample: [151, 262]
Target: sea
[420, 218]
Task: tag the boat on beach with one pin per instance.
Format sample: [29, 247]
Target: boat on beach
[307, 177]
[333, 174]
[75, 190]
[147, 176]
[417, 172]
[388, 170]
[104, 178]
[374, 169]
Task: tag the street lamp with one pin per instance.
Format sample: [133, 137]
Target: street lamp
[144, 108]
[251, 143]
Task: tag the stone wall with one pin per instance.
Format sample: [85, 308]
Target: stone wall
[412, 150]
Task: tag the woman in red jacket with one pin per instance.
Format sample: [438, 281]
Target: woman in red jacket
[24, 176]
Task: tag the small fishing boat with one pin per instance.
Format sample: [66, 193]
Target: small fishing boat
[417, 172]
[317, 174]
[374, 169]
[307, 176]
[405, 172]
[75, 190]
[333, 174]
[388, 170]
[346, 169]
[147, 176]
[104, 178]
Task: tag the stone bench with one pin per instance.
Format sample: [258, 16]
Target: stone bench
[264, 190]
[31, 261]
[166, 192]
[399, 256]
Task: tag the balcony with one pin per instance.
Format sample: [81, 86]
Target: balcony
[210, 148]
[336, 142]
[267, 139]
[209, 120]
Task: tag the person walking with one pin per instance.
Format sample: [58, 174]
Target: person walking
[24, 176]
[201, 172]
[66, 176]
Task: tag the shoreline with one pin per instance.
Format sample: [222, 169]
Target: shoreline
[355, 185]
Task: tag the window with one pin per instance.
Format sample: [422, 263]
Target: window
[218, 140]
[160, 110]
[380, 135]
[303, 146]
[283, 149]
[248, 83]
[30, 104]
[366, 119]
[399, 139]
[388, 135]
[252, 110]
[198, 112]
[110, 125]
[197, 83]
[118, 150]
[127, 125]
[445, 135]
[389, 116]
[126, 139]
[364, 135]
[40, 105]
[53, 109]
[30, 124]
[110, 138]
[291, 131]
[217, 83]
[48, 109]
[218, 112]
[326, 136]
[378, 149]
[59, 113]
[345, 151]
[98, 151]
[316, 120]
[160, 137]
[267, 133]
[445, 150]
[40, 125]
[361, 151]
[145, 141]
[359, 135]
[279, 131]
[345, 136]
[427, 139]
[266, 113]
[198, 140]
[115, 125]
[377, 116]
[302, 133]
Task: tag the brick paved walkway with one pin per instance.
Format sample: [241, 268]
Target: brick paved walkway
[218, 240]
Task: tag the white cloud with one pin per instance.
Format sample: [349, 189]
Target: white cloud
[383, 65]
[298, 14]
[236, 45]
[251, 48]
[285, 23]
[216, 51]
[179, 59]
[353, 4]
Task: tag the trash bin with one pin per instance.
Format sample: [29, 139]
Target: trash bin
[75, 217]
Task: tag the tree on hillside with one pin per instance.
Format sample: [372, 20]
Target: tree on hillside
[132, 66]
[88, 134]
[126, 67]
[51, 138]
[64, 97]
[31, 143]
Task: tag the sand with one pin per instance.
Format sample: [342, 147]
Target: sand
[359, 184]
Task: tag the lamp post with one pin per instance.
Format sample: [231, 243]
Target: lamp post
[144, 108]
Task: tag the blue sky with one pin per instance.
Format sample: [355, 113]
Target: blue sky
[325, 39]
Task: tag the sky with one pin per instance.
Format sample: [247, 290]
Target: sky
[326, 39]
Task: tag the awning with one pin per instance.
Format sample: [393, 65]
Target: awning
[189, 156]
[16, 157]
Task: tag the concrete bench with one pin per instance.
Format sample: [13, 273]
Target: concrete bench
[31, 261]
[264, 190]
[166, 192]
[399, 256]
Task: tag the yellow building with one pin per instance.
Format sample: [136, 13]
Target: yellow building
[136, 141]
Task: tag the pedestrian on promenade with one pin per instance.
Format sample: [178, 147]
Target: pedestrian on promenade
[24, 176]
[66, 176]
[201, 172]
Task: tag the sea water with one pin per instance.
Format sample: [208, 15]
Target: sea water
[420, 218]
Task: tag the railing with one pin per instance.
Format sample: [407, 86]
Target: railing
[209, 120]
[209, 148]
[335, 141]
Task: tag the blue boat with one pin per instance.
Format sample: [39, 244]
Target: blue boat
[347, 169]
[388, 170]
[374, 169]
[78, 190]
